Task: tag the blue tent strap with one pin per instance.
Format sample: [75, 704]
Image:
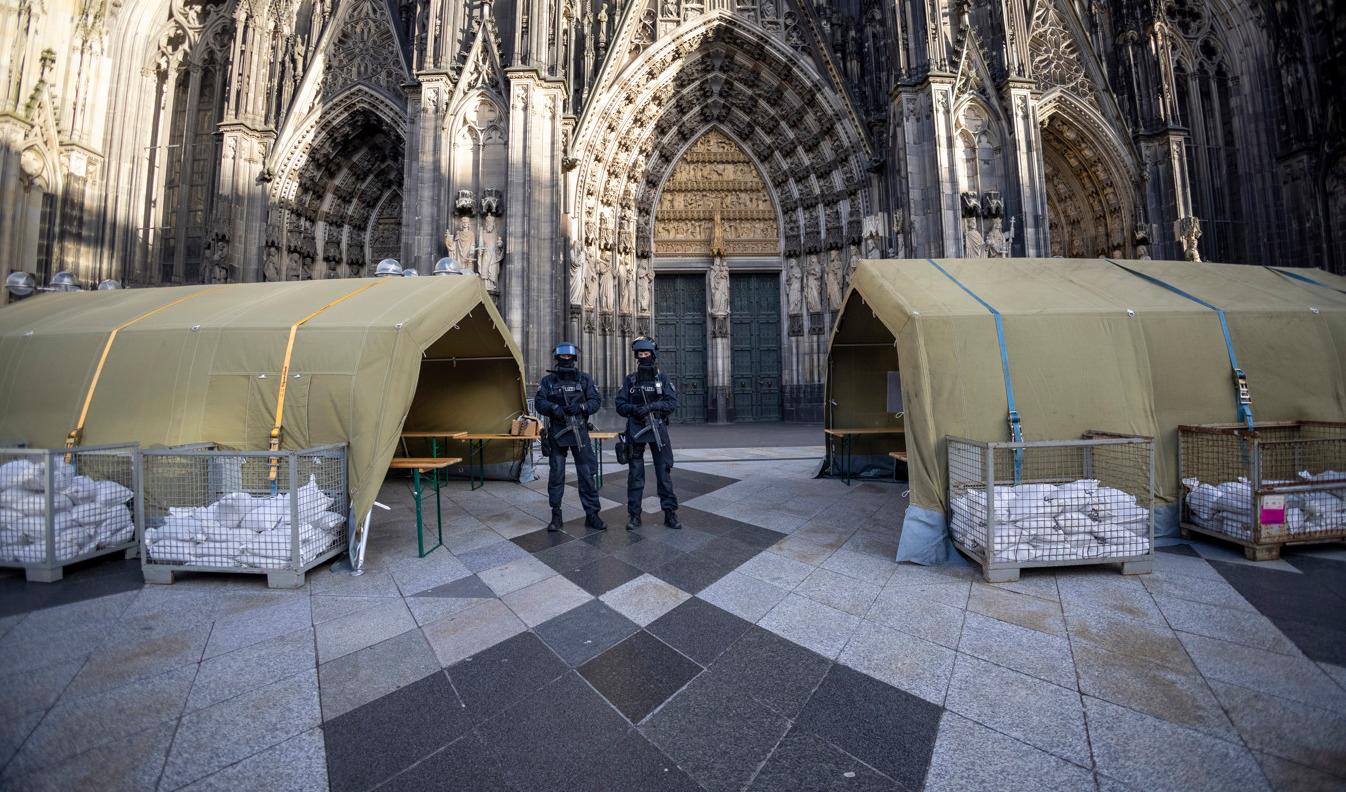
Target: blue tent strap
[1305, 279]
[1241, 396]
[1016, 431]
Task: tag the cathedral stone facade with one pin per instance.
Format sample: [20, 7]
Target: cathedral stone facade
[707, 171]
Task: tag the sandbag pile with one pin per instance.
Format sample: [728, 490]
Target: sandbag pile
[86, 515]
[243, 530]
[1077, 520]
[1227, 508]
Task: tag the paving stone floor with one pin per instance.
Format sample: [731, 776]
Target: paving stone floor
[770, 645]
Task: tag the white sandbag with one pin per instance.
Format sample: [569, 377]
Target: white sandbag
[1202, 499]
[1073, 491]
[1028, 506]
[327, 522]
[93, 513]
[1326, 475]
[187, 529]
[232, 508]
[1018, 553]
[263, 518]
[82, 489]
[62, 474]
[18, 473]
[25, 501]
[1006, 536]
[64, 521]
[1294, 520]
[33, 526]
[1235, 497]
[228, 550]
[312, 500]
[1038, 525]
[1239, 525]
[1033, 490]
[14, 535]
[1109, 499]
[9, 517]
[1073, 523]
[30, 554]
[1086, 546]
[1126, 514]
[110, 493]
[172, 551]
[1320, 504]
[219, 533]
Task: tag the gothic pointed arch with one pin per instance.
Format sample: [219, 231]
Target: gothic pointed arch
[1090, 178]
[715, 185]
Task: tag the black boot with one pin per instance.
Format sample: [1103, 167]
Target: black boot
[671, 520]
[594, 522]
[633, 522]
[555, 524]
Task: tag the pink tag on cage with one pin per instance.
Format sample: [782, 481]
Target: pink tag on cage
[1273, 510]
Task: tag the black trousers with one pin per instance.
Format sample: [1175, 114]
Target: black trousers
[584, 469]
[663, 475]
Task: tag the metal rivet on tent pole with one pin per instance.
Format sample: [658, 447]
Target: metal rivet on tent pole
[398, 326]
[261, 376]
[196, 328]
[1315, 310]
[1130, 312]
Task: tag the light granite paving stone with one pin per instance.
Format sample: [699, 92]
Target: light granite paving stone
[1181, 697]
[485, 624]
[131, 764]
[545, 599]
[326, 608]
[492, 555]
[870, 569]
[431, 609]
[14, 730]
[969, 757]
[1107, 591]
[1027, 651]
[23, 649]
[1290, 777]
[414, 575]
[8, 623]
[131, 658]
[1336, 672]
[1238, 626]
[835, 590]
[367, 627]
[644, 599]
[901, 660]
[358, 678]
[1152, 754]
[802, 550]
[908, 609]
[776, 569]
[744, 596]
[947, 585]
[373, 583]
[1300, 733]
[245, 628]
[37, 688]
[1294, 678]
[211, 739]
[1212, 591]
[1106, 630]
[229, 675]
[1040, 583]
[297, 765]
[1009, 606]
[811, 624]
[515, 575]
[83, 724]
[76, 614]
[1039, 713]
[1233, 554]
[1183, 564]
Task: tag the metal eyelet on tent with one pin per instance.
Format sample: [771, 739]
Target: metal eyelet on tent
[196, 328]
[1314, 310]
[1130, 312]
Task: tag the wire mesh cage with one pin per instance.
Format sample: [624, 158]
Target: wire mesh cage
[1053, 503]
[62, 506]
[1280, 483]
[220, 510]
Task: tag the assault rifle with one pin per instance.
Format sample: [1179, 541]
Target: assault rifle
[652, 425]
[572, 425]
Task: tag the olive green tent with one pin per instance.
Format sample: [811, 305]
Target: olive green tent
[1089, 345]
[202, 364]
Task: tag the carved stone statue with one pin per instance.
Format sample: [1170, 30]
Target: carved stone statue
[645, 287]
[626, 272]
[834, 279]
[606, 285]
[492, 253]
[579, 266]
[491, 202]
[271, 269]
[974, 246]
[998, 242]
[1188, 231]
[216, 269]
[464, 244]
[872, 237]
[793, 286]
[719, 287]
[605, 230]
[1142, 241]
[813, 284]
[852, 259]
[717, 236]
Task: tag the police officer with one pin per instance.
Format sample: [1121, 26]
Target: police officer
[644, 393]
[567, 397]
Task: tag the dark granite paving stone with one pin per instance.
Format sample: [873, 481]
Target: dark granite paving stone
[465, 764]
[639, 674]
[87, 580]
[776, 672]
[699, 630]
[886, 728]
[716, 732]
[568, 556]
[1179, 549]
[553, 739]
[469, 587]
[729, 550]
[616, 538]
[603, 575]
[756, 536]
[585, 632]
[1318, 642]
[1325, 571]
[687, 484]
[805, 763]
[510, 671]
[1303, 606]
[633, 763]
[384, 737]
[692, 572]
[687, 539]
[648, 556]
[538, 541]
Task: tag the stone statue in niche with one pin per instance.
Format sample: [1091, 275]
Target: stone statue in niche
[974, 244]
[605, 230]
[719, 287]
[833, 277]
[998, 241]
[852, 259]
[793, 286]
[217, 269]
[1188, 231]
[813, 284]
[872, 236]
[1142, 237]
[578, 270]
[271, 267]
[492, 254]
[645, 287]
[606, 283]
[462, 243]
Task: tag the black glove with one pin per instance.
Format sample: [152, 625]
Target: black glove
[574, 409]
[642, 410]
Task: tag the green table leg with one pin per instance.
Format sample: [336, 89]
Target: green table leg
[439, 511]
[416, 491]
[846, 443]
[598, 463]
[476, 463]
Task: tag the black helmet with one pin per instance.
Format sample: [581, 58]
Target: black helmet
[566, 348]
[644, 344]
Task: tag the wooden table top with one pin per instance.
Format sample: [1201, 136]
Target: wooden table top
[422, 463]
[902, 455]
[449, 435]
[489, 436]
[602, 435]
[873, 430]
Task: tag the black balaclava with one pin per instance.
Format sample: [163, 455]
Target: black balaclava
[566, 369]
[646, 368]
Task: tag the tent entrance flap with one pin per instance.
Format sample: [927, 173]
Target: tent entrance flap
[861, 368]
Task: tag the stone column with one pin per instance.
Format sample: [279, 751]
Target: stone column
[924, 149]
[426, 213]
[1026, 190]
[720, 377]
[1167, 188]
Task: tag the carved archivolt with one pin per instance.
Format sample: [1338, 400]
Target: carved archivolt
[715, 175]
[1089, 181]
